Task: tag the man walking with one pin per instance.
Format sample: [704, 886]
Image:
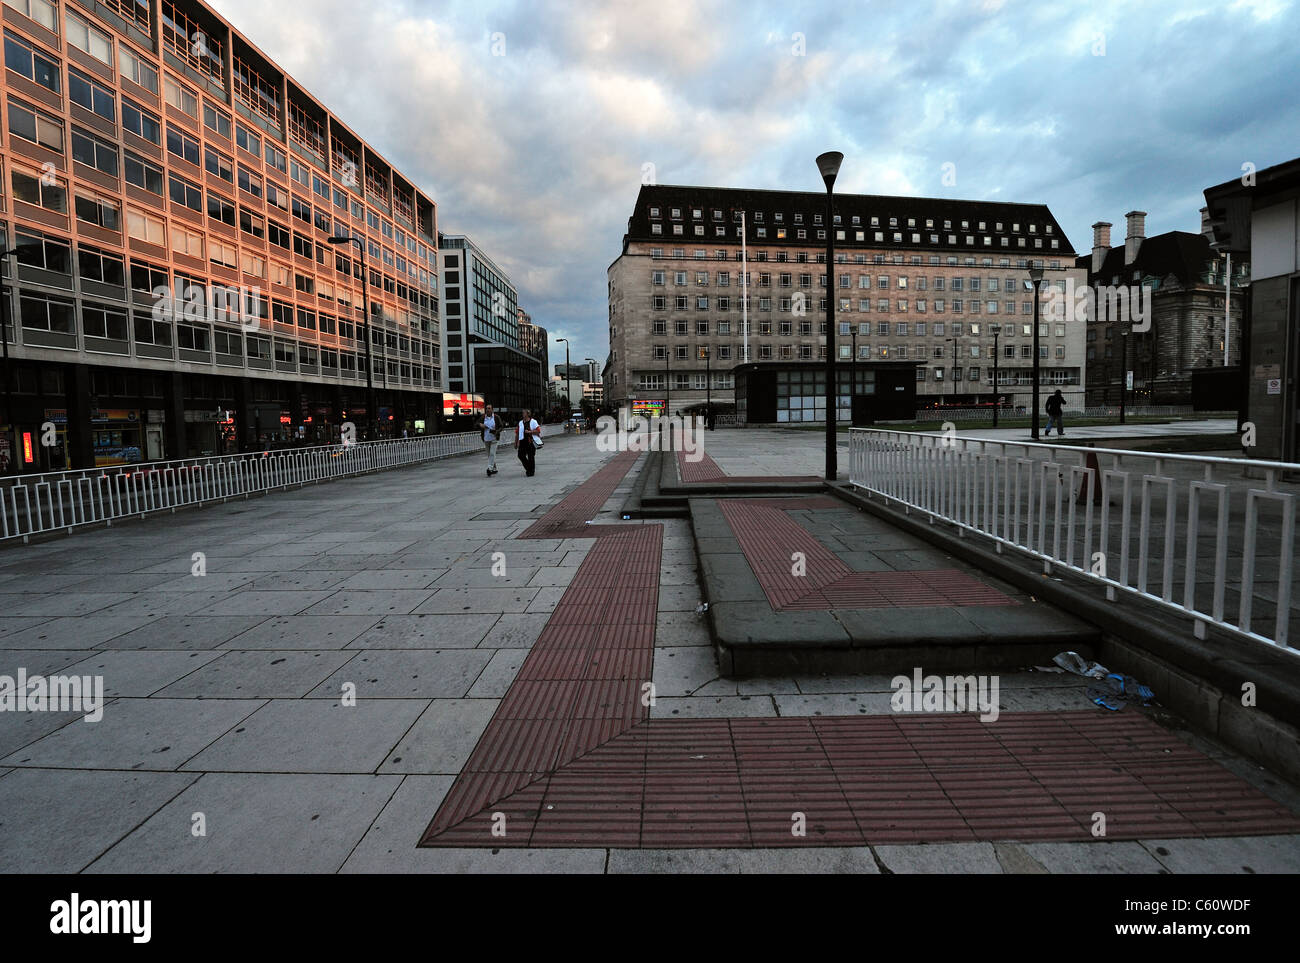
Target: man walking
[526, 434]
[491, 426]
[1054, 406]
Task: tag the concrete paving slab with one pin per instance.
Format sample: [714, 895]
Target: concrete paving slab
[456, 600]
[72, 632]
[303, 632]
[151, 734]
[258, 674]
[712, 707]
[426, 632]
[375, 602]
[442, 739]
[264, 603]
[37, 661]
[407, 674]
[515, 631]
[498, 674]
[141, 673]
[255, 823]
[390, 845]
[834, 704]
[1094, 857]
[837, 860]
[932, 858]
[546, 599]
[1240, 854]
[312, 735]
[20, 729]
[305, 581]
[186, 632]
[60, 820]
[683, 670]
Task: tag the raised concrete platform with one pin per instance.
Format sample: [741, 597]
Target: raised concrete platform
[808, 585]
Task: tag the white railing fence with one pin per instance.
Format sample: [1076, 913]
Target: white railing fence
[985, 413]
[1212, 539]
[62, 501]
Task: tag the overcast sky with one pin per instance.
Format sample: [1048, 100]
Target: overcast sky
[531, 123]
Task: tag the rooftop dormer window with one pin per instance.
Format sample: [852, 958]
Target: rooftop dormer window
[677, 213]
[654, 212]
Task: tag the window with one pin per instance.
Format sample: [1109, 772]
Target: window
[251, 223]
[32, 188]
[216, 120]
[187, 241]
[222, 252]
[180, 97]
[143, 174]
[22, 58]
[135, 69]
[277, 197]
[42, 11]
[247, 140]
[218, 164]
[138, 121]
[220, 209]
[94, 265]
[103, 323]
[37, 250]
[99, 211]
[41, 313]
[249, 182]
[87, 38]
[35, 126]
[90, 150]
[184, 193]
[275, 158]
[145, 227]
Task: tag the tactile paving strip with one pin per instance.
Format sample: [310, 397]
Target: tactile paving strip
[571, 760]
[769, 538]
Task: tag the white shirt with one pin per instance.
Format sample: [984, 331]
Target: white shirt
[490, 428]
[532, 423]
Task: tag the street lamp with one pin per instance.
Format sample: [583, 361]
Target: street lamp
[1123, 373]
[568, 395]
[708, 389]
[996, 330]
[5, 320]
[1035, 278]
[828, 165]
[371, 410]
[953, 341]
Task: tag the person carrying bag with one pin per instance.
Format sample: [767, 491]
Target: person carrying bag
[528, 438]
[490, 424]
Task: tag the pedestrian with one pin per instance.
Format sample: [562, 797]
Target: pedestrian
[1054, 406]
[526, 434]
[490, 424]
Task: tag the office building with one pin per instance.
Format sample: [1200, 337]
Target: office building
[926, 280]
[151, 147]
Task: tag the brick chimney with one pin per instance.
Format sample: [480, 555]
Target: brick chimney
[1135, 235]
[1100, 244]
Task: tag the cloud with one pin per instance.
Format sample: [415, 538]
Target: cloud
[538, 154]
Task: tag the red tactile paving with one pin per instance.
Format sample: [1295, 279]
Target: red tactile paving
[769, 537]
[703, 469]
[571, 758]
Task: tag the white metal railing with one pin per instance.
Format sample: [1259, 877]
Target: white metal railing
[54, 501]
[1091, 411]
[1212, 539]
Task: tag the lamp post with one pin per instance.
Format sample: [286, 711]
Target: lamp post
[12, 439]
[708, 389]
[1123, 373]
[828, 165]
[371, 410]
[996, 329]
[568, 397]
[953, 341]
[1035, 278]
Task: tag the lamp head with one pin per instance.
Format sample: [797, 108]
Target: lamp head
[1035, 274]
[828, 165]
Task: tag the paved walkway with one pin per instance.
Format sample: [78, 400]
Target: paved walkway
[232, 743]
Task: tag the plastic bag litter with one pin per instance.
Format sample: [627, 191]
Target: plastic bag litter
[1074, 662]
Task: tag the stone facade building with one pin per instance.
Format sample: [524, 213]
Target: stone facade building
[1185, 279]
[916, 279]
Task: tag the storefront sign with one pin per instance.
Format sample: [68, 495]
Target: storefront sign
[654, 407]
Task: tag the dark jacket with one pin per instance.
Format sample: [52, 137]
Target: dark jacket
[1054, 405]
